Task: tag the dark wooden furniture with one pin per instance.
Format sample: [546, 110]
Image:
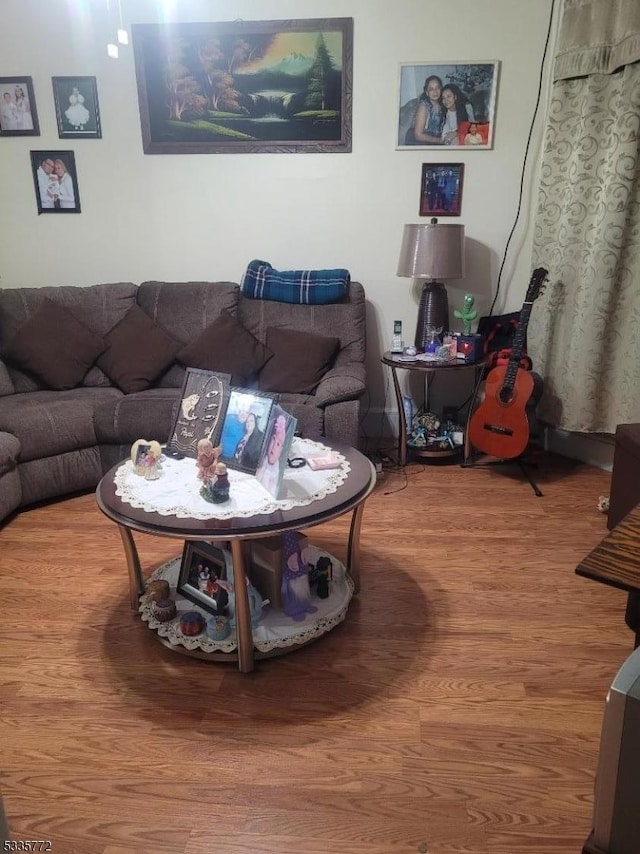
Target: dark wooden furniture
[430, 370]
[350, 496]
[616, 561]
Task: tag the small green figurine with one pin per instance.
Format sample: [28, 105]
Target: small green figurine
[467, 314]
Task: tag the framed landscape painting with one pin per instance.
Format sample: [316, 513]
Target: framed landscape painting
[245, 86]
[447, 104]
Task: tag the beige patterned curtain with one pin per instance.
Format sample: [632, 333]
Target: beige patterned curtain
[584, 334]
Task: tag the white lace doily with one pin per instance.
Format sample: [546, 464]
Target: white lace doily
[177, 490]
[275, 629]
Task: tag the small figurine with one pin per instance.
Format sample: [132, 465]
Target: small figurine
[218, 628]
[256, 604]
[467, 315]
[207, 460]
[219, 489]
[296, 593]
[320, 575]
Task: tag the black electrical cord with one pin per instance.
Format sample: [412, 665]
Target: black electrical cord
[526, 153]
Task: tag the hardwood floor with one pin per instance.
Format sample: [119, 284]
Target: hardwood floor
[456, 711]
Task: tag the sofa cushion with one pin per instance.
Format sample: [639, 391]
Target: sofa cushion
[99, 307]
[344, 319]
[146, 414]
[226, 346]
[138, 351]
[55, 346]
[299, 361]
[53, 422]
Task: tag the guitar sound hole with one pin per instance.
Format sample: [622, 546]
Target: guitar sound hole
[506, 395]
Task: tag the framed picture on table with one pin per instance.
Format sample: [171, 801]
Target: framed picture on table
[447, 104]
[275, 451]
[205, 573]
[244, 429]
[203, 405]
[18, 116]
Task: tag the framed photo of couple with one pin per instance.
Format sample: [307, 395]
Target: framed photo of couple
[56, 181]
[18, 116]
[447, 104]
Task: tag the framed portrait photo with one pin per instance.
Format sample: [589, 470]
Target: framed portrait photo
[77, 111]
[56, 181]
[205, 576]
[441, 189]
[450, 104]
[275, 451]
[244, 429]
[245, 86]
[18, 116]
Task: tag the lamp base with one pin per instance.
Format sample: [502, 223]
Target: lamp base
[433, 313]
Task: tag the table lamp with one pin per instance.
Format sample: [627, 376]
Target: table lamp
[432, 252]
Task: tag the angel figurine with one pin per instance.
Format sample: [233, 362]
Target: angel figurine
[206, 460]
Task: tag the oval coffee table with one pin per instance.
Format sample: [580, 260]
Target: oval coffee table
[350, 496]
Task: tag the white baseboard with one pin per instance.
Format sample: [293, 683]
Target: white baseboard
[595, 449]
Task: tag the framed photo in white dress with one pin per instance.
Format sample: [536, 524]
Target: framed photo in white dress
[77, 110]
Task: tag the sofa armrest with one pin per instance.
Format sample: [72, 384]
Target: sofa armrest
[344, 382]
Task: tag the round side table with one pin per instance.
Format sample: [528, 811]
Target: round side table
[396, 362]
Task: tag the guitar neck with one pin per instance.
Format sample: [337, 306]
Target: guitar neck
[518, 345]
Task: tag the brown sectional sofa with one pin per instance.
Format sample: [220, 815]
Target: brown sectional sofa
[54, 443]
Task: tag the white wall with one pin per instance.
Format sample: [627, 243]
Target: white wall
[206, 216]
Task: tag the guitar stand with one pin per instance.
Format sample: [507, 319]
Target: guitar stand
[522, 462]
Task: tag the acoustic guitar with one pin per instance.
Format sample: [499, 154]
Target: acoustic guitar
[500, 426]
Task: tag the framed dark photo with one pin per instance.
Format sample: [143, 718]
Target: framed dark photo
[244, 429]
[56, 181]
[77, 111]
[448, 104]
[203, 406]
[18, 115]
[441, 189]
[205, 573]
[245, 86]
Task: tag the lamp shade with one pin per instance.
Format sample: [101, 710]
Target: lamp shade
[433, 251]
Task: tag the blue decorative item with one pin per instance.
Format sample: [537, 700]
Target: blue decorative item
[256, 604]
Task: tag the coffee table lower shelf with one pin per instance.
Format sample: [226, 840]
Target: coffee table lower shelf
[276, 633]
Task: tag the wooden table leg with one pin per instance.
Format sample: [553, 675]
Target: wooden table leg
[402, 421]
[244, 632]
[353, 549]
[136, 581]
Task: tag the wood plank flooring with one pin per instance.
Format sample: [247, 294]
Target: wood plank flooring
[456, 711]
